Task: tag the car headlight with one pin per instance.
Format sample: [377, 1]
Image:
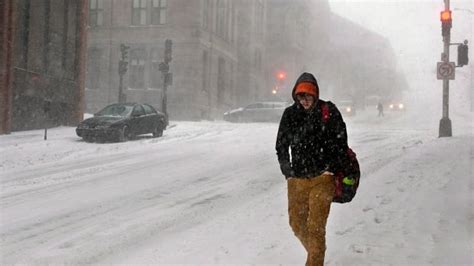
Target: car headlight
[348, 109]
[401, 106]
[391, 106]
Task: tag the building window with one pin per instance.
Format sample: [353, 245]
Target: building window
[139, 12]
[158, 12]
[220, 21]
[96, 13]
[227, 21]
[137, 69]
[155, 69]
[223, 21]
[230, 21]
[205, 14]
[259, 16]
[205, 63]
[258, 60]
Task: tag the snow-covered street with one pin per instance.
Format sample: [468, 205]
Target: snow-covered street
[204, 185]
[212, 193]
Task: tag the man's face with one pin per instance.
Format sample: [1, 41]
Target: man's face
[306, 100]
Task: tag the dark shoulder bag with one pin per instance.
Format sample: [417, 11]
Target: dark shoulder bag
[347, 178]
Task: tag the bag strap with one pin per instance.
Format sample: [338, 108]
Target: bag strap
[325, 112]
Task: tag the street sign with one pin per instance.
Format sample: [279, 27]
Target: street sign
[445, 70]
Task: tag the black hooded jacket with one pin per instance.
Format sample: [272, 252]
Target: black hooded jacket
[316, 146]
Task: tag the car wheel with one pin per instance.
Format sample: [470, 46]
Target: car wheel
[158, 131]
[124, 134]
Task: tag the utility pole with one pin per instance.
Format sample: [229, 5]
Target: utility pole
[123, 67]
[445, 70]
[164, 67]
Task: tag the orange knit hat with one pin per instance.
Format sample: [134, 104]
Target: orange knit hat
[306, 87]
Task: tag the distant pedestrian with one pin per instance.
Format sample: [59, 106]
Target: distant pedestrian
[380, 109]
[317, 150]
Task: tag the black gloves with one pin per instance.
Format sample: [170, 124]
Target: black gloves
[286, 169]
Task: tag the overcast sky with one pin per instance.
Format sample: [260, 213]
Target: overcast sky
[414, 30]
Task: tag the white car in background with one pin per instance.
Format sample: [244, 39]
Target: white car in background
[396, 106]
[257, 112]
[346, 107]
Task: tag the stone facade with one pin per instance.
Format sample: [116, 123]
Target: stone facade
[251, 83]
[225, 53]
[207, 64]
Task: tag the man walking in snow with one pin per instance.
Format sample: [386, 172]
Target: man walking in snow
[317, 150]
[380, 109]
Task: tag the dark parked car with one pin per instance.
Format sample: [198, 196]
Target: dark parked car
[257, 112]
[120, 122]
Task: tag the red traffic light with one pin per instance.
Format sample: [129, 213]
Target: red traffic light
[446, 16]
[281, 75]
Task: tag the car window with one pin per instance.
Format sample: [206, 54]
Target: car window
[148, 109]
[254, 106]
[138, 111]
[115, 110]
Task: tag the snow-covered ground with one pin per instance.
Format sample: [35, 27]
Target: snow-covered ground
[212, 193]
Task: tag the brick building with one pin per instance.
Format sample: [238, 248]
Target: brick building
[42, 70]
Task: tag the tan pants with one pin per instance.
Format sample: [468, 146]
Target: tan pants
[309, 201]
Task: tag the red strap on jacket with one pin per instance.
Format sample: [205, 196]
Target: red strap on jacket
[325, 112]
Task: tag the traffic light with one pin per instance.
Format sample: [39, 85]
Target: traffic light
[463, 58]
[168, 50]
[446, 22]
[281, 75]
[124, 50]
